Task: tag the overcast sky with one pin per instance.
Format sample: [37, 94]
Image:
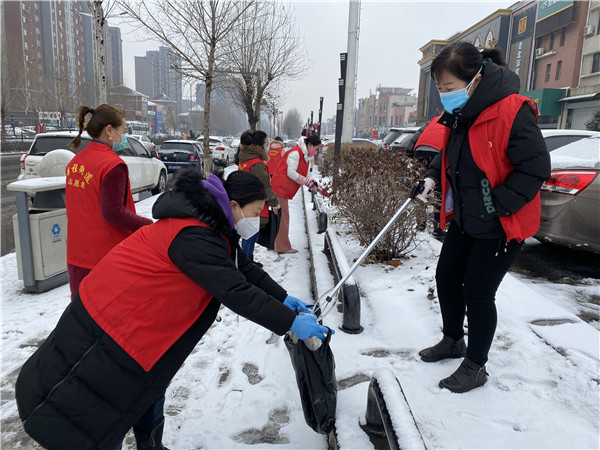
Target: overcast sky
[391, 33]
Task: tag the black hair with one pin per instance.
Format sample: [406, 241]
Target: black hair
[102, 116]
[463, 60]
[244, 188]
[256, 137]
[314, 140]
[278, 138]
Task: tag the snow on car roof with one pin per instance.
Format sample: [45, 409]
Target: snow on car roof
[582, 153]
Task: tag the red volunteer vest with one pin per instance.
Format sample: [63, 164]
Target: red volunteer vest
[89, 236]
[139, 297]
[283, 185]
[275, 155]
[245, 167]
[433, 135]
[488, 138]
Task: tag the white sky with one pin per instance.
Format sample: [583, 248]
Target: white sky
[391, 33]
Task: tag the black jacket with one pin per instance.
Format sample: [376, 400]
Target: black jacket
[526, 150]
[81, 390]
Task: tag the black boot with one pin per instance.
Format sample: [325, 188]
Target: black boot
[446, 348]
[468, 376]
[150, 441]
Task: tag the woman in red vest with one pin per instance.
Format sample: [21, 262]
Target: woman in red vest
[492, 165]
[100, 208]
[254, 159]
[276, 150]
[142, 310]
[290, 174]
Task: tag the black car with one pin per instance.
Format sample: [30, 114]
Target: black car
[180, 154]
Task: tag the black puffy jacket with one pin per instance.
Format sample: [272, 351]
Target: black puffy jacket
[81, 390]
[526, 150]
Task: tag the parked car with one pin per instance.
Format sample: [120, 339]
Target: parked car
[144, 140]
[289, 143]
[180, 154]
[558, 138]
[52, 150]
[571, 197]
[397, 139]
[221, 153]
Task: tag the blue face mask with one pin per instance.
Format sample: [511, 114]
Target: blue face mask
[118, 146]
[456, 99]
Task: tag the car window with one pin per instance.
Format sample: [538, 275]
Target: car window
[170, 147]
[43, 145]
[138, 149]
[403, 140]
[215, 142]
[391, 137]
[554, 142]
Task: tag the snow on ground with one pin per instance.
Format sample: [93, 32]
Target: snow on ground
[237, 390]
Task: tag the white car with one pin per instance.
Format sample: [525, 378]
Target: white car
[558, 138]
[144, 140]
[220, 152]
[49, 155]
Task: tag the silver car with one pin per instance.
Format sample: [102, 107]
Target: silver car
[571, 197]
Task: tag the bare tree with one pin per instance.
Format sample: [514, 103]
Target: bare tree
[268, 50]
[196, 31]
[292, 123]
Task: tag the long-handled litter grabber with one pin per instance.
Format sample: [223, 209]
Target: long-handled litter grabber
[325, 303]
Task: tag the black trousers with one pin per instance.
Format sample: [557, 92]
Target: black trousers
[468, 274]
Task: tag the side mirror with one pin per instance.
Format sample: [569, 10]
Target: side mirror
[153, 153]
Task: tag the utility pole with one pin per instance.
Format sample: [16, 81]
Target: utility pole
[99, 19]
[352, 59]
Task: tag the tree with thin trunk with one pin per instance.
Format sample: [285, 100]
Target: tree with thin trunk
[269, 52]
[292, 123]
[197, 32]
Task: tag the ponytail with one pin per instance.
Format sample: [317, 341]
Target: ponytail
[102, 116]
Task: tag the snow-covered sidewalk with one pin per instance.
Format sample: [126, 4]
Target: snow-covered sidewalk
[237, 390]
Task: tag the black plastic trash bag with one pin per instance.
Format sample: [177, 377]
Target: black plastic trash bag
[315, 376]
[268, 233]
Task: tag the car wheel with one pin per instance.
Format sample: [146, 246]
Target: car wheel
[161, 186]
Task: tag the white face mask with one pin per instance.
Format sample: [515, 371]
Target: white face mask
[247, 226]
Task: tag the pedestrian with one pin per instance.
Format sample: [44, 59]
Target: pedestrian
[491, 167]
[424, 146]
[290, 174]
[100, 208]
[142, 310]
[276, 150]
[254, 159]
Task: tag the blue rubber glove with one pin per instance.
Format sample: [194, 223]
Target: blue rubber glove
[295, 304]
[306, 326]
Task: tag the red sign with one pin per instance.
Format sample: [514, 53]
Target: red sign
[375, 134]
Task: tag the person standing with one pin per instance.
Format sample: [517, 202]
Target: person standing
[276, 150]
[143, 309]
[290, 174]
[491, 168]
[254, 159]
[100, 208]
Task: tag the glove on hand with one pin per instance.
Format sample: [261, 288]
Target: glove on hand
[306, 326]
[295, 304]
[428, 185]
[316, 186]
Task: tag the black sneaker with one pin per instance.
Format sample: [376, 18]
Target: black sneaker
[257, 263]
[439, 233]
[446, 348]
[468, 376]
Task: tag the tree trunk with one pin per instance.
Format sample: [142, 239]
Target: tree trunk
[100, 54]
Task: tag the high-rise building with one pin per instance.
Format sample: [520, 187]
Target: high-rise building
[156, 75]
[114, 57]
[49, 57]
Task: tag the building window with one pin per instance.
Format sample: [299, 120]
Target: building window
[563, 36]
[26, 46]
[558, 69]
[24, 19]
[548, 70]
[596, 63]
[551, 41]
